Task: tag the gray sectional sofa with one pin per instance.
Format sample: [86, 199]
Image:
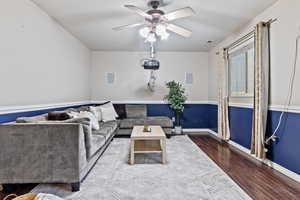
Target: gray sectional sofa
[36, 150]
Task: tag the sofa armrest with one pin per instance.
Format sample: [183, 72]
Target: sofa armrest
[41, 153]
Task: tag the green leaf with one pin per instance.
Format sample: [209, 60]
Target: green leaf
[176, 97]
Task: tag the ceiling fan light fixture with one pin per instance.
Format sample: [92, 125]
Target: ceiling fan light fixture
[160, 29]
[158, 22]
[144, 32]
[165, 36]
[151, 37]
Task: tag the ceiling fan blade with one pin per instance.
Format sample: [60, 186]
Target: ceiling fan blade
[139, 11]
[180, 13]
[127, 26]
[179, 30]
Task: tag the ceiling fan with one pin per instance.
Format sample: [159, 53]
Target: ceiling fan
[157, 22]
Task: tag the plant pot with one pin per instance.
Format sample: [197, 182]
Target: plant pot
[178, 130]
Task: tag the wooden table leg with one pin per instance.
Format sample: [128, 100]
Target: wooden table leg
[164, 153]
[132, 152]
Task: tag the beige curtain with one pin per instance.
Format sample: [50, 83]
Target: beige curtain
[223, 101]
[261, 89]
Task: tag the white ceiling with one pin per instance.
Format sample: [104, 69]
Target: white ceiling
[92, 21]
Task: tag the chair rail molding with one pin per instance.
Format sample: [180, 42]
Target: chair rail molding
[28, 108]
[279, 108]
[144, 102]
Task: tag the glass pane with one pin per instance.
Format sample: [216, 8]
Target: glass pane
[238, 73]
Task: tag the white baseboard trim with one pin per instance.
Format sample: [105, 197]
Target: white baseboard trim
[268, 162]
[195, 131]
[28, 108]
[200, 131]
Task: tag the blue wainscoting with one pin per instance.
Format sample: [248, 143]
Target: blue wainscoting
[213, 117]
[194, 115]
[240, 120]
[285, 151]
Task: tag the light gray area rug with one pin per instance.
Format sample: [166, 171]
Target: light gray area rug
[189, 175]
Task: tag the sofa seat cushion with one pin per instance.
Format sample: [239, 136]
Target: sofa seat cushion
[107, 129]
[164, 122]
[97, 143]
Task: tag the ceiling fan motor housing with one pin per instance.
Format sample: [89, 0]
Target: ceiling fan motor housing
[155, 3]
[156, 16]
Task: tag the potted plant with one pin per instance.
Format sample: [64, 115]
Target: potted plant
[176, 98]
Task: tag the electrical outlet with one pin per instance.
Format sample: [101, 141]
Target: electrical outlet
[173, 119]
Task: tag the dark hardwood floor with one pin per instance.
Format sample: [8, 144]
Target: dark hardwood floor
[258, 180]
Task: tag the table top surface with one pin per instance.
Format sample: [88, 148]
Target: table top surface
[156, 132]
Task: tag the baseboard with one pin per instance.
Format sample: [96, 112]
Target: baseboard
[195, 131]
[200, 131]
[268, 162]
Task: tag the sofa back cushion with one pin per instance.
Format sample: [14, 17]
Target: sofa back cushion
[108, 114]
[121, 110]
[136, 111]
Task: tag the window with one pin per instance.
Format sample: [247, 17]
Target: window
[241, 71]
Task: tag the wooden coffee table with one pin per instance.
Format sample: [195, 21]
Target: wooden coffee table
[148, 142]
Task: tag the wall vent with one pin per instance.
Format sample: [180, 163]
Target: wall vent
[110, 78]
[189, 78]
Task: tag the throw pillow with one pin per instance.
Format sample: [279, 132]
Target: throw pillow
[107, 114]
[96, 111]
[110, 106]
[121, 110]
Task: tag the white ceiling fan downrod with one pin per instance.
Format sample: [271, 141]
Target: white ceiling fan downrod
[153, 75]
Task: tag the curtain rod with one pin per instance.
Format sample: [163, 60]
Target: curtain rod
[248, 36]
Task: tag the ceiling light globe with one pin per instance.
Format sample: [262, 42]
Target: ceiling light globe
[160, 29]
[165, 36]
[151, 38]
[144, 32]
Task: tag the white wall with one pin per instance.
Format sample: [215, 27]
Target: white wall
[40, 63]
[131, 78]
[283, 34]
